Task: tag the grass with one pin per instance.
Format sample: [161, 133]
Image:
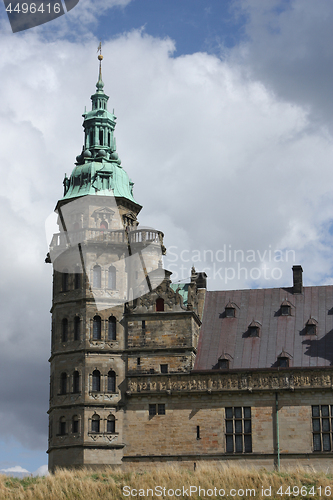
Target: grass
[107, 484]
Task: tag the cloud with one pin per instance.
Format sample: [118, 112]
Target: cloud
[288, 46]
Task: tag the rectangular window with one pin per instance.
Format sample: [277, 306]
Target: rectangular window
[322, 427]
[156, 409]
[238, 430]
[164, 368]
[152, 410]
[161, 409]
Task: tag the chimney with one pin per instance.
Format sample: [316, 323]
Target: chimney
[297, 279]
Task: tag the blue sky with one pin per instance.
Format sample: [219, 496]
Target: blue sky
[225, 125]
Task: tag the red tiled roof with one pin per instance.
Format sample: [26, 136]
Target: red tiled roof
[220, 334]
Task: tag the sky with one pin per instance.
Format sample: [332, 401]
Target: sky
[224, 123]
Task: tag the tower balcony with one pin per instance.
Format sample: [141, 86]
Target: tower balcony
[66, 239]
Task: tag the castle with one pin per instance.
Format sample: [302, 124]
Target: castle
[143, 370]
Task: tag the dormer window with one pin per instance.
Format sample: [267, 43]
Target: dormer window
[230, 310]
[223, 364]
[283, 362]
[224, 361]
[254, 329]
[311, 327]
[285, 308]
[283, 359]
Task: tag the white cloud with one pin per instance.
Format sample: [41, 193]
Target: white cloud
[17, 468]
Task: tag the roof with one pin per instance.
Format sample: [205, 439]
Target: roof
[100, 178]
[277, 333]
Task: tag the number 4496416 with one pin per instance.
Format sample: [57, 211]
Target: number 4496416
[32, 8]
[304, 491]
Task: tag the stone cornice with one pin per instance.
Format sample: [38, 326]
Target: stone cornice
[244, 381]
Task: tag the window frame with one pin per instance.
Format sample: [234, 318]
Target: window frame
[238, 440]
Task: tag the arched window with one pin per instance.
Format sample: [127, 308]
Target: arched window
[97, 277]
[104, 225]
[77, 328]
[97, 328]
[64, 277]
[112, 278]
[95, 423]
[63, 383]
[111, 381]
[160, 304]
[112, 328]
[111, 424]
[76, 382]
[77, 278]
[62, 426]
[96, 381]
[64, 330]
[75, 424]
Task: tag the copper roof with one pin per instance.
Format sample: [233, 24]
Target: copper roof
[278, 333]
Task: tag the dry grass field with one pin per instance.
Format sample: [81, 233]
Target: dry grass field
[220, 481]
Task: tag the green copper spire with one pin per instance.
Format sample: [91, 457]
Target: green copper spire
[98, 168]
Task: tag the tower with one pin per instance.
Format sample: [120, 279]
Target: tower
[102, 261]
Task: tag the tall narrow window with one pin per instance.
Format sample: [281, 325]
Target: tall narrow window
[104, 225]
[322, 427]
[238, 429]
[75, 424]
[63, 383]
[112, 278]
[64, 330]
[77, 278]
[101, 137]
[160, 304]
[62, 426]
[97, 328]
[97, 282]
[64, 276]
[111, 381]
[96, 381]
[111, 424]
[77, 328]
[76, 382]
[112, 334]
[95, 423]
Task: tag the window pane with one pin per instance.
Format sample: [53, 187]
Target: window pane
[326, 442]
[238, 412]
[324, 411]
[239, 443]
[247, 412]
[228, 413]
[229, 427]
[152, 410]
[316, 442]
[110, 426]
[112, 328]
[97, 277]
[247, 444]
[247, 426]
[229, 444]
[96, 381]
[238, 426]
[112, 278]
[111, 381]
[75, 426]
[315, 411]
[95, 425]
[97, 328]
[325, 425]
[316, 425]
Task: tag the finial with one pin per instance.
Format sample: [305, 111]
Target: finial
[100, 83]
